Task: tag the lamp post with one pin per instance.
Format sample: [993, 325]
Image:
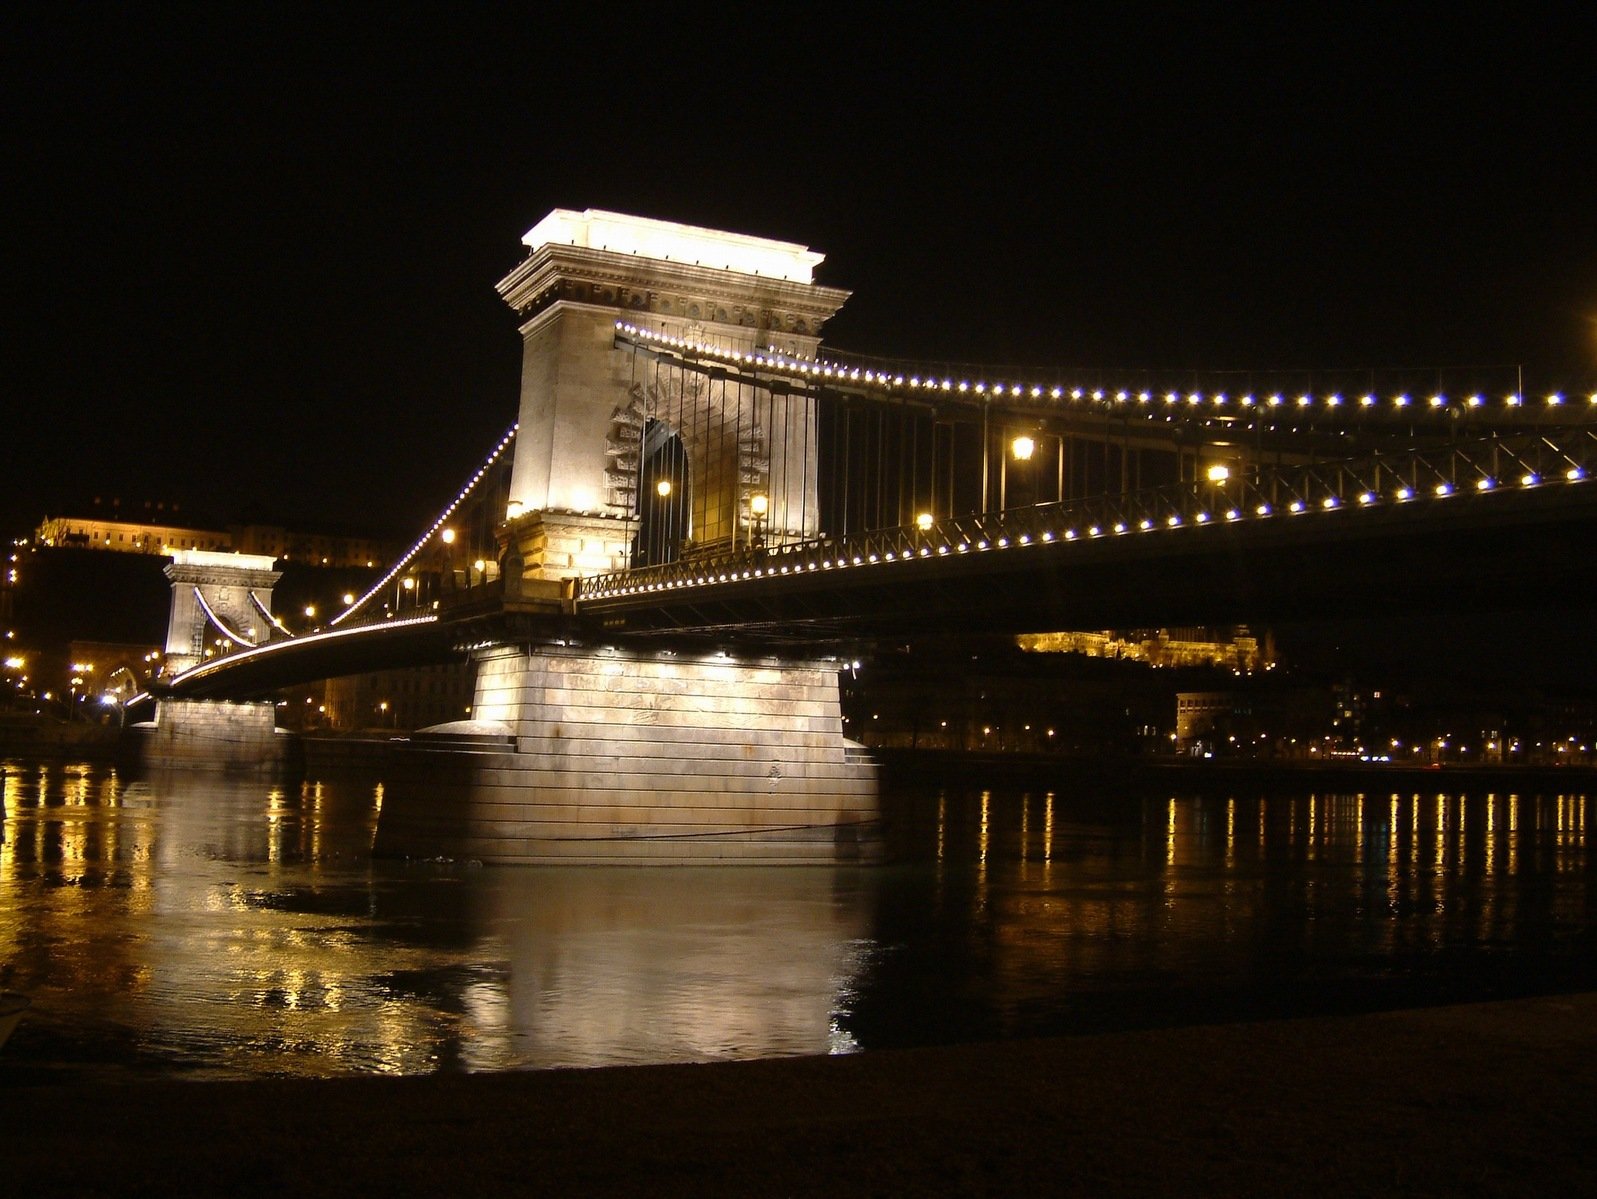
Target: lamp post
[759, 506]
[1021, 449]
[660, 525]
[446, 569]
[80, 679]
[111, 700]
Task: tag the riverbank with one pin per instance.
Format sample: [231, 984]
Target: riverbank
[1198, 776]
[24, 735]
[372, 750]
[1491, 1098]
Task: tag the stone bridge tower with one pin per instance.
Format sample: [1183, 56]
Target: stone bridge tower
[590, 416]
[638, 753]
[236, 587]
[215, 734]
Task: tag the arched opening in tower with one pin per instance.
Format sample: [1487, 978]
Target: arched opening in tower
[665, 497]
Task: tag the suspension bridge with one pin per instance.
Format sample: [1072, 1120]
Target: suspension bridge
[701, 500]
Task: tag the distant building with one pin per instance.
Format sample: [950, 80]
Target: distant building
[127, 537]
[112, 668]
[275, 541]
[1233, 649]
[317, 549]
[1255, 721]
[399, 699]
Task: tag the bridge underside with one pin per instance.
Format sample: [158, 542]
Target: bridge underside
[1459, 556]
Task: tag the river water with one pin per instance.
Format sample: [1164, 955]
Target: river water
[193, 926]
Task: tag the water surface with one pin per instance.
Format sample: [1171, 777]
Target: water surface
[191, 925]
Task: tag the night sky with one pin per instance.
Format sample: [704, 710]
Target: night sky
[251, 256]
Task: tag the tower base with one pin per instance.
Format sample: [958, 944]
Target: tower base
[202, 734]
[588, 756]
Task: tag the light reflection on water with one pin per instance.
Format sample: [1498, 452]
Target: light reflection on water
[193, 925]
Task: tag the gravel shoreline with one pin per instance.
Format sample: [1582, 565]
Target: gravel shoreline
[1487, 1099]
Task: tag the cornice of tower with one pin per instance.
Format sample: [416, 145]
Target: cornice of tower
[633, 284]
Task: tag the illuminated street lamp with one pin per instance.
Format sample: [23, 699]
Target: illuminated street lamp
[1219, 473]
[759, 505]
[79, 672]
[1021, 449]
[923, 522]
[446, 562]
[663, 488]
[111, 700]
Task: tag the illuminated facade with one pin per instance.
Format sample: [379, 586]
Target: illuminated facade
[587, 414]
[274, 541]
[1238, 651]
[125, 536]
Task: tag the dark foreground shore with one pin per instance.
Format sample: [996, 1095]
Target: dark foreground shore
[1483, 1099]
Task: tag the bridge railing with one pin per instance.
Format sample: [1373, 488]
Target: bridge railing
[1497, 464]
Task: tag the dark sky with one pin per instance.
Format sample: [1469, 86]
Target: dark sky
[250, 256]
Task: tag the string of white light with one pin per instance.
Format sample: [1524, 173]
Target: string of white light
[226, 630]
[266, 612]
[615, 585]
[230, 661]
[410, 555]
[1182, 402]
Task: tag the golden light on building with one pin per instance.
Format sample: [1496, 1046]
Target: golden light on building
[1022, 448]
